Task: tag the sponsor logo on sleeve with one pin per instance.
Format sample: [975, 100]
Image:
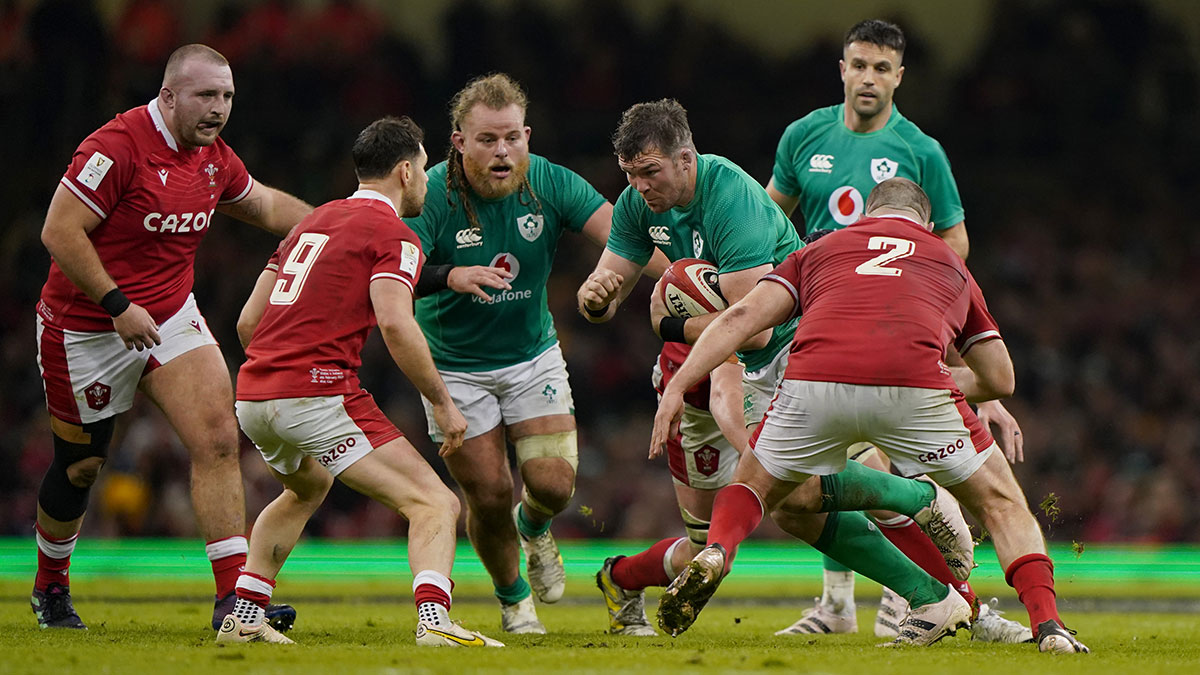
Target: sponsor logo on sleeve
[530, 226]
[660, 236]
[820, 164]
[883, 168]
[410, 255]
[94, 171]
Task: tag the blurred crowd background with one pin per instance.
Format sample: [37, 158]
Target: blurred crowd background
[1071, 127]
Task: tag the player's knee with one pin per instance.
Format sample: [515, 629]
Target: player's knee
[490, 500]
[63, 494]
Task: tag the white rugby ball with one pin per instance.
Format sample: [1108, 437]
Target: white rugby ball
[691, 287]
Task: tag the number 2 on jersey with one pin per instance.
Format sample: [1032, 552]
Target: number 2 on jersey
[295, 269]
[877, 266]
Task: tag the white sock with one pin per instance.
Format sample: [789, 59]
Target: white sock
[434, 613]
[668, 566]
[839, 592]
[250, 614]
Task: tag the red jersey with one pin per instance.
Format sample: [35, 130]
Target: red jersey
[309, 339]
[880, 300]
[670, 360]
[155, 201]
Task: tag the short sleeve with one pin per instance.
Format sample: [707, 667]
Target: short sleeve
[397, 253]
[742, 227]
[787, 274]
[101, 170]
[629, 237]
[237, 179]
[938, 182]
[784, 173]
[979, 325]
[575, 198]
[273, 261]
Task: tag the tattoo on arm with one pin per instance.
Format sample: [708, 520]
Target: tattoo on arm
[249, 209]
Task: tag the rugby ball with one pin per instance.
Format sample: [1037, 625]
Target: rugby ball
[690, 287]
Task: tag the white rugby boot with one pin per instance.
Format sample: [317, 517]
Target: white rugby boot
[927, 624]
[521, 617]
[1056, 639]
[821, 620]
[233, 630]
[430, 634]
[626, 609]
[991, 626]
[942, 521]
[543, 564]
[892, 610]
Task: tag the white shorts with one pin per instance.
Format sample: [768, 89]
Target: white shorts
[924, 431]
[760, 386]
[92, 376]
[337, 431]
[535, 388]
[699, 456]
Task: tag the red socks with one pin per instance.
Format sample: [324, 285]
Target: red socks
[255, 589]
[228, 558]
[737, 511]
[54, 559]
[644, 569]
[908, 537]
[1033, 578]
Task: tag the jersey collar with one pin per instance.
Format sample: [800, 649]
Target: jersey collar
[161, 124]
[371, 194]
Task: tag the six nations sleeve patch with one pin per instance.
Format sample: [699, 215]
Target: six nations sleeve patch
[94, 171]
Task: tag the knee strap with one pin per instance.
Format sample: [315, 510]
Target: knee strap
[59, 498]
[697, 528]
[564, 445]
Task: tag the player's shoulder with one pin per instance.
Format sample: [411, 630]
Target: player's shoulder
[814, 122]
[719, 170]
[913, 135]
[544, 173]
[128, 133]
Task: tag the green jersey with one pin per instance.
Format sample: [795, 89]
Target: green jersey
[730, 222]
[466, 333]
[833, 169]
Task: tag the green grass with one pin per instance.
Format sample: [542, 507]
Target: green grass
[147, 604]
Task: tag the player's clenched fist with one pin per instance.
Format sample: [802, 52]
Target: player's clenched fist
[599, 289]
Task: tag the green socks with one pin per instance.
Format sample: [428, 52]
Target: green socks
[527, 527]
[518, 591]
[860, 488]
[850, 538]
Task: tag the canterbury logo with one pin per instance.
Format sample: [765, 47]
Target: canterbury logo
[468, 238]
[475, 640]
[821, 163]
[659, 235]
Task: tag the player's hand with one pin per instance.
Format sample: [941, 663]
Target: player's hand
[666, 421]
[1006, 430]
[137, 328]
[658, 308]
[599, 289]
[453, 426]
[473, 279]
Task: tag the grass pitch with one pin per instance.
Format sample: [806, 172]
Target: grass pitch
[356, 621]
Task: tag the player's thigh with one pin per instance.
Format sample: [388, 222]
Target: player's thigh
[310, 481]
[806, 430]
[475, 397]
[991, 486]
[924, 431]
[481, 468]
[196, 396]
[87, 377]
[538, 392]
[699, 456]
[396, 475]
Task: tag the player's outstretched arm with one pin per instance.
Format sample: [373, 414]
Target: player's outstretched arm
[265, 207]
[597, 228]
[65, 236]
[766, 305]
[786, 202]
[255, 305]
[989, 372]
[956, 237]
[607, 287]
[393, 305]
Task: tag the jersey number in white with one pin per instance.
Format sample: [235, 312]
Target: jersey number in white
[899, 248]
[295, 269]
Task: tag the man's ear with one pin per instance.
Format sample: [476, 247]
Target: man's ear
[458, 140]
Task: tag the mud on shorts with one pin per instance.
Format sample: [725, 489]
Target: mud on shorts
[924, 431]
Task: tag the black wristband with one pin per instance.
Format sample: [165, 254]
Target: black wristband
[597, 313]
[670, 329]
[434, 278]
[114, 302]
